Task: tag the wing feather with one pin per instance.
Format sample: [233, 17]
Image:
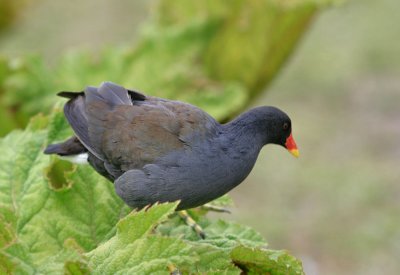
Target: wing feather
[128, 130]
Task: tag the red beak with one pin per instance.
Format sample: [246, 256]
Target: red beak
[291, 146]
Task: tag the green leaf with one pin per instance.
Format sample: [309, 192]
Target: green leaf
[213, 260]
[222, 201]
[222, 234]
[262, 261]
[9, 10]
[134, 249]
[144, 256]
[58, 128]
[69, 257]
[75, 268]
[37, 219]
[296, 3]
[138, 224]
[226, 235]
[270, 30]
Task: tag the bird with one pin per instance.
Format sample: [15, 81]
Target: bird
[157, 150]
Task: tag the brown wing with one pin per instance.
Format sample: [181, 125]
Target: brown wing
[129, 136]
[138, 135]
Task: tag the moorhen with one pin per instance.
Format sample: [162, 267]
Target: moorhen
[159, 150]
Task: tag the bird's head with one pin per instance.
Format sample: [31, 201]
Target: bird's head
[278, 129]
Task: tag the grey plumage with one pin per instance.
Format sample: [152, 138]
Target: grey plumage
[157, 150]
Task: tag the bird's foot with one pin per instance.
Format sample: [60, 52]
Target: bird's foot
[214, 208]
[173, 270]
[192, 223]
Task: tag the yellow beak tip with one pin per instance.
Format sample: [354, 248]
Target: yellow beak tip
[295, 153]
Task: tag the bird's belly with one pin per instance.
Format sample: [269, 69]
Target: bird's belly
[196, 182]
[192, 180]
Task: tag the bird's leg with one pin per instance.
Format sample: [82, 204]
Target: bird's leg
[210, 207]
[173, 270]
[192, 223]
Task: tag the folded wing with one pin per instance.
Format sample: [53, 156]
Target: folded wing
[128, 130]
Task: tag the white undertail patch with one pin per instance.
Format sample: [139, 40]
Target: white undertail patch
[78, 159]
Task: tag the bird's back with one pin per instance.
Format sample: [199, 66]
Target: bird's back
[124, 129]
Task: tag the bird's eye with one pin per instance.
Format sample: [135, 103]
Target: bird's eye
[285, 126]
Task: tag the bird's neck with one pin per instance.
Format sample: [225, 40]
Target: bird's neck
[243, 137]
[246, 130]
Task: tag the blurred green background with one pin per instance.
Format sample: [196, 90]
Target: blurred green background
[338, 206]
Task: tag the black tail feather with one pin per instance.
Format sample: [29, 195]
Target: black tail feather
[71, 146]
[70, 95]
[53, 149]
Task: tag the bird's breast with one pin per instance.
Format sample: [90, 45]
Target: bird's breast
[200, 174]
